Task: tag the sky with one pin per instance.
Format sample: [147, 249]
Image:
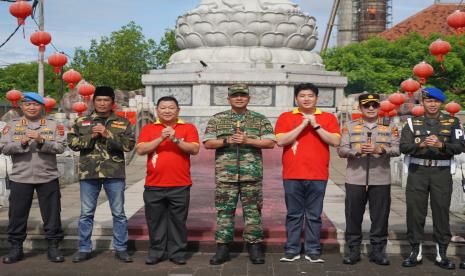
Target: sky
[73, 23]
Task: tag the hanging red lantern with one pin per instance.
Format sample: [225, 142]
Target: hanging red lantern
[453, 108]
[57, 60]
[387, 106]
[14, 96]
[72, 78]
[21, 10]
[79, 107]
[397, 99]
[456, 21]
[41, 39]
[381, 113]
[86, 90]
[49, 104]
[418, 110]
[423, 71]
[392, 113]
[410, 86]
[439, 49]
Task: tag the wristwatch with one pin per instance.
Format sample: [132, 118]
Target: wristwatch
[317, 127]
[176, 140]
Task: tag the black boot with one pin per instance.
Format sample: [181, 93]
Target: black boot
[16, 253]
[54, 253]
[378, 256]
[414, 258]
[222, 254]
[353, 257]
[441, 258]
[256, 255]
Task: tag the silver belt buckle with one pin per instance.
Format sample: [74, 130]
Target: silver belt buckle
[429, 162]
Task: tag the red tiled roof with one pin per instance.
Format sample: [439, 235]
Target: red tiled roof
[430, 20]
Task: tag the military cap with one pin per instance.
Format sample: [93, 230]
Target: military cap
[367, 98]
[433, 93]
[238, 88]
[105, 91]
[33, 97]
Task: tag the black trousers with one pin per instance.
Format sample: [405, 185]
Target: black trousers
[422, 183]
[20, 199]
[379, 198]
[166, 212]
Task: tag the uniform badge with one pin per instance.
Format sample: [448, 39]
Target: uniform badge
[417, 140]
[61, 130]
[5, 130]
[451, 120]
[86, 123]
[345, 130]
[417, 132]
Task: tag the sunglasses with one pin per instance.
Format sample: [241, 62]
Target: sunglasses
[371, 104]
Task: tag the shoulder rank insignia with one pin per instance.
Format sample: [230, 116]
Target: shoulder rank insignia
[42, 121]
[395, 132]
[6, 129]
[23, 122]
[61, 130]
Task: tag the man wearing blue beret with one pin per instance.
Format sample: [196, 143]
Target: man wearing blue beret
[429, 143]
[33, 141]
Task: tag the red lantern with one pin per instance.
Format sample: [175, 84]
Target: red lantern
[14, 96]
[410, 86]
[397, 99]
[21, 10]
[86, 90]
[456, 21]
[387, 106]
[439, 49]
[72, 78]
[418, 110]
[453, 108]
[423, 71]
[57, 60]
[392, 113]
[381, 113]
[79, 107]
[41, 39]
[49, 104]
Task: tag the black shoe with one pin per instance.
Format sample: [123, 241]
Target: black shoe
[16, 253]
[256, 255]
[378, 255]
[221, 256]
[123, 256]
[441, 257]
[462, 265]
[179, 260]
[81, 256]
[415, 258]
[289, 257]
[353, 257]
[151, 260]
[54, 253]
[314, 258]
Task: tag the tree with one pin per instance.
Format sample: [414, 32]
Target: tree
[379, 65]
[165, 49]
[118, 60]
[23, 76]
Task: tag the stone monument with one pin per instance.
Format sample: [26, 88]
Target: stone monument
[264, 43]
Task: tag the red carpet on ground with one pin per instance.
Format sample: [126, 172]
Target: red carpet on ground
[201, 220]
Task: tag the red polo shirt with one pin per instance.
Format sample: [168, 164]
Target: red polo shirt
[168, 166]
[308, 157]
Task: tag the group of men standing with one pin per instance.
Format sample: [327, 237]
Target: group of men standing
[237, 135]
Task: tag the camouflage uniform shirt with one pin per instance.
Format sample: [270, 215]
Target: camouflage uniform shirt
[101, 157]
[223, 125]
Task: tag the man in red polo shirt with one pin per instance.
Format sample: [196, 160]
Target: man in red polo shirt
[305, 133]
[169, 143]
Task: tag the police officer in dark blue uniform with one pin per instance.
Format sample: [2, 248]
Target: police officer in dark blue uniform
[430, 143]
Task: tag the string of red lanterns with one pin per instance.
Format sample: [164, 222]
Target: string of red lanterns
[21, 10]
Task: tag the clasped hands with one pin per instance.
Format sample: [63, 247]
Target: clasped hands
[99, 130]
[32, 135]
[309, 120]
[370, 148]
[239, 138]
[431, 141]
[167, 132]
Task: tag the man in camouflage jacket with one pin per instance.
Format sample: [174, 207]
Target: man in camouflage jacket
[238, 135]
[102, 138]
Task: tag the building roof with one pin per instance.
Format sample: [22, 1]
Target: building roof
[430, 20]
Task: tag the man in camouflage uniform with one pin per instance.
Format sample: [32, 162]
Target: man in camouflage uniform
[33, 141]
[368, 144]
[238, 135]
[102, 138]
[430, 143]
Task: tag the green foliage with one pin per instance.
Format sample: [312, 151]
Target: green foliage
[23, 76]
[118, 60]
[378, 65]
[165, 49]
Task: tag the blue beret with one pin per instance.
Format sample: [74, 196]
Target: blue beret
[434, 93]
[31, 96]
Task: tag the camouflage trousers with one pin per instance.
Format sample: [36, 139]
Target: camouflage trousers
[226, 197]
